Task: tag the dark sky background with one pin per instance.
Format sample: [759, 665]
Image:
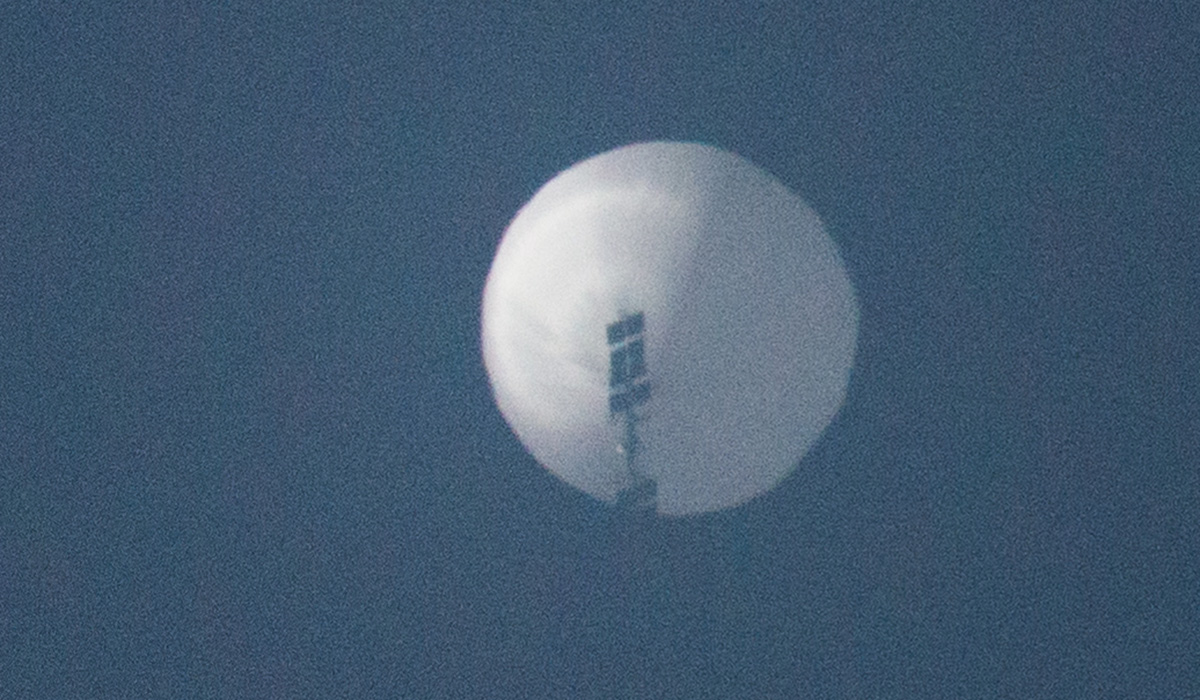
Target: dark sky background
[247, 443]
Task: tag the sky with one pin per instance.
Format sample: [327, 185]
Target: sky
[247, 443]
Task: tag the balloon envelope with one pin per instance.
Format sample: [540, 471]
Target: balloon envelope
[749, 336]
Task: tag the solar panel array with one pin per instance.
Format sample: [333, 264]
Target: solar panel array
[627, 380]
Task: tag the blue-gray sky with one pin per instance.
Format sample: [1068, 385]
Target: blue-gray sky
[247, 446]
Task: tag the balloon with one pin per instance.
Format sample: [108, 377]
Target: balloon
[668, 314]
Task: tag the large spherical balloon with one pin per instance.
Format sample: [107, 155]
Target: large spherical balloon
[746, 331]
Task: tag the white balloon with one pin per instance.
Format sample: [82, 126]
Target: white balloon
[750, 323]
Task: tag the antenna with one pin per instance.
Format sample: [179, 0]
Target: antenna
[628, 388]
